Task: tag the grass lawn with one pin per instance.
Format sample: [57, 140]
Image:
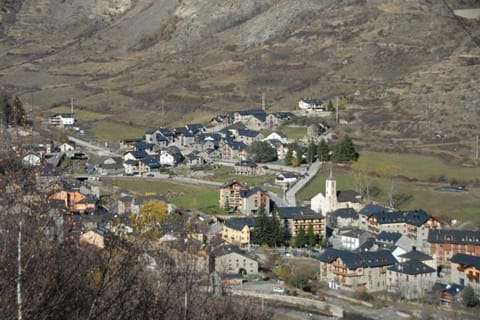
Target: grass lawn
[293, 132]
[83, 115]
[113, 132]
[423, 168]
[463, 206]
[203, 198]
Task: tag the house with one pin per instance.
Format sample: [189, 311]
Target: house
[66, 147]
[144, 146]
[237, 230]
[31, 159]
[230, 259]
[450, 295]
[333, 199]
[61, 120]
[310, 104]
[172, 156]
[230, 198]
[465, 270]
[344, 217]
[208, 141]
[355, 271]
[287, 178]
[415, 224]
[184, 137]
[135, 155]
[248, 136]
[195, 128]
[392, 240]
[278, 136]
[292, 219]
[125, 204]
[151, 163]
[112, 165]
[75, 201]
[353, 239]
[230, 149]
[221, 119]
[414, 254]
[255, 119]
[245, 168]
[276, 119]
[194, 159]
[129, 144]
[444, 244]
[236, 196]
[411, 279]
[94, 237]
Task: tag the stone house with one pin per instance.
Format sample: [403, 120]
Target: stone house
[443, 244]
[237, 230]
[355, 271]
[236, 196]
[292, 219]
[465, 270]
[230, 259]
[411, 279]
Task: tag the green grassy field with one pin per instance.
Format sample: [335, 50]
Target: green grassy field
[83, 115]
[114, 132]
[183, 195]
[423, 168]
[293, 133]
[463, 206]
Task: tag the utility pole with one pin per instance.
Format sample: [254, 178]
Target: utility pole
[476, 150]
[336, 110]
[163, 108]
[71, 105]
[263, 101]
[19, 274]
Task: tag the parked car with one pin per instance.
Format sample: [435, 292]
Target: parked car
[279, 290]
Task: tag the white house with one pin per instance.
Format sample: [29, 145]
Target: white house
[66, 147]
[286, 178]
[31, 159]
[62, 119]
[276, 136]
[170, 157]
[310, 104]
[411, 279]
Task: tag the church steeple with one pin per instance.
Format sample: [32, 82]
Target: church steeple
[331, 192]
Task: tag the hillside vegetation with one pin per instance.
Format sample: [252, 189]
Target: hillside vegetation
[410, 68]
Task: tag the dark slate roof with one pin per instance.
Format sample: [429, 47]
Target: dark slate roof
[412, 267]
[466, 259]
[367, 245]
[234, 126]
[236, 145]
[166, 132]
[226, 249]
[195, 127]
[386, 236]
[452, 289]
[143, 145]
[246, 163]
[312, 101]
[260, 114]
[414, 217]
[345, 213]
[286, 175]
[248, 133]
[292, 212]
[140, 154]
[283, 115]
[249, 192]
[416, 255]
[204, 137]
[230, 183]
[372, 208]
[238, 223]
[353, 233]
[348, 196]
[355, 260]
[152, 162]
[454, 236]
[378, 258]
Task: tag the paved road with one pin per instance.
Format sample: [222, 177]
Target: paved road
[292, 192]
[88, 145]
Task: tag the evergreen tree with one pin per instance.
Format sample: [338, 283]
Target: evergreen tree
[469, 297]
[344, 150]
[311, 239]
[299, 156]
[259, 234]
[301, 238]
[263, 152]
[289, 157]
[323, 151]
[311, 151]
[330, 105]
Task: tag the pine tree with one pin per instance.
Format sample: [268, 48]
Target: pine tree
[301, 238]
[344, 150]
[259, 234]
[299, 156]
[311, 236]
[289, 157]
[323, 152]
[311, 151]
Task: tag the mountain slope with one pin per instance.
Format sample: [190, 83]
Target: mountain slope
[412, 65]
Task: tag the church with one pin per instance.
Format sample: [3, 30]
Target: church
[333, 199]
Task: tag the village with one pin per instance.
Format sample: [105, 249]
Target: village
[363, 250]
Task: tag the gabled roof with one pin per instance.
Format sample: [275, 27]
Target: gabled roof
[297, 213]
[413, 217]
[166, 132]
[238, 223]
[348, 196]
[454, 236]
[234, 126]
[231, 183]
[287, 175]
[283, 115]
[386, 236]
[353, 233]
[152, 162]
[236, 145]
[249, 192]
[140, 154]
[312, 101]
[452, 289]
[412, 267]
[143, 145]
[416, 255]
[355, 260]
[345, 213]
[372, 208]
[248, 133]
[246, 163]
[466, 259]
[195, 127]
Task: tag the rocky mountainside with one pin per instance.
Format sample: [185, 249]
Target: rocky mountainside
[411, 68]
